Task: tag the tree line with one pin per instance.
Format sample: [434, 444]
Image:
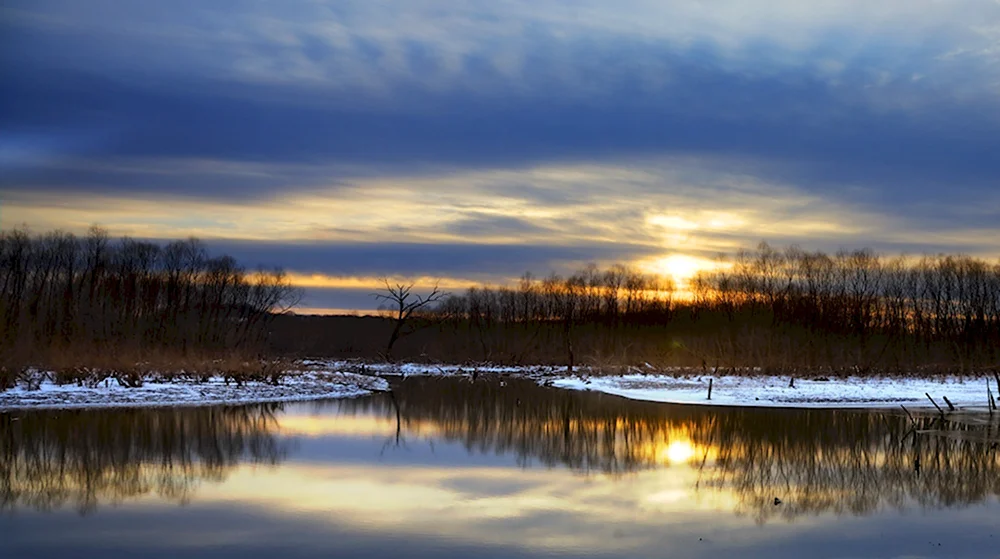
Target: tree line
[898, 312]
[513, 323]
[61, 294]
[618, 294]
[781, 310]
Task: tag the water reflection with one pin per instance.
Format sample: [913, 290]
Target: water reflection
[839, 462]
[815, 461]
[53, 459]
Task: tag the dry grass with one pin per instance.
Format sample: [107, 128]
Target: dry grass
[129, 368]
[709, 343]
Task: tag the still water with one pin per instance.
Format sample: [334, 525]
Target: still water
[449, 468]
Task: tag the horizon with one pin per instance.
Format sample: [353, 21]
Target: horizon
[469, 144]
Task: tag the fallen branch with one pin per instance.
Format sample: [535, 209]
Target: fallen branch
[907, 412]
[951, 407]
[941, 411]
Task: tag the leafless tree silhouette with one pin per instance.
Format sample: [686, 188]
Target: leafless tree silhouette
[91, 298]
[400, 299]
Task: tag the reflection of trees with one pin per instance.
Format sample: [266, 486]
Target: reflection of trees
[853, 463]
[815, 461]
[51, 459]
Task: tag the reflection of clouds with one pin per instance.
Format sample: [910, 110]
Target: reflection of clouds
[318, 426]
[611, 474]
[315, 426]
[550, 508]
[817, 461]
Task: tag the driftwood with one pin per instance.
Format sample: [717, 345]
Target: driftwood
[941, 411]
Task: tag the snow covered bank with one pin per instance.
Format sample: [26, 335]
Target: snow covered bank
[431, 369]
[340, 379]
[681, 387]
[296, 385]
[770, 391]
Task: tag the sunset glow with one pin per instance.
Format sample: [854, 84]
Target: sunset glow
[680, 268]
[376, 138]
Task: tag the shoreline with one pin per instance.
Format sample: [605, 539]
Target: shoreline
[681, 386]
[330, 379]
[296, 386]
[764, 391]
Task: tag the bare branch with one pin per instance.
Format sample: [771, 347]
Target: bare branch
[404, 304]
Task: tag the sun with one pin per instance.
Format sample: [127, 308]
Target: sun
[680, 268]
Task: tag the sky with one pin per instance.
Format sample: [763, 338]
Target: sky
[468, 141]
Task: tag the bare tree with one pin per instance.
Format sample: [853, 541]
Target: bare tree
[400, 299]
[60, 295]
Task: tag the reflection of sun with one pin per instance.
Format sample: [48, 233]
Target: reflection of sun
[678, 452]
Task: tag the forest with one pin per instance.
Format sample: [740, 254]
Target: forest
[772, 310]
[75, 305]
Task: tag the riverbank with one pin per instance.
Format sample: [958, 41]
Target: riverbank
[322, 379]
[293, 386]
[686, 386]
[781, 392]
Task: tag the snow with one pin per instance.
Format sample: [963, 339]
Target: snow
[679, 386]
[431, 369]
[772, 391]
[323, 379]
[295, 386]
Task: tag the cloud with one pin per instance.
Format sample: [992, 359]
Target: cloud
[479, 224]
[653, 127]
[158, 178]
[433, 43]
[702, 206]
[472, 261]
[793, 128]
